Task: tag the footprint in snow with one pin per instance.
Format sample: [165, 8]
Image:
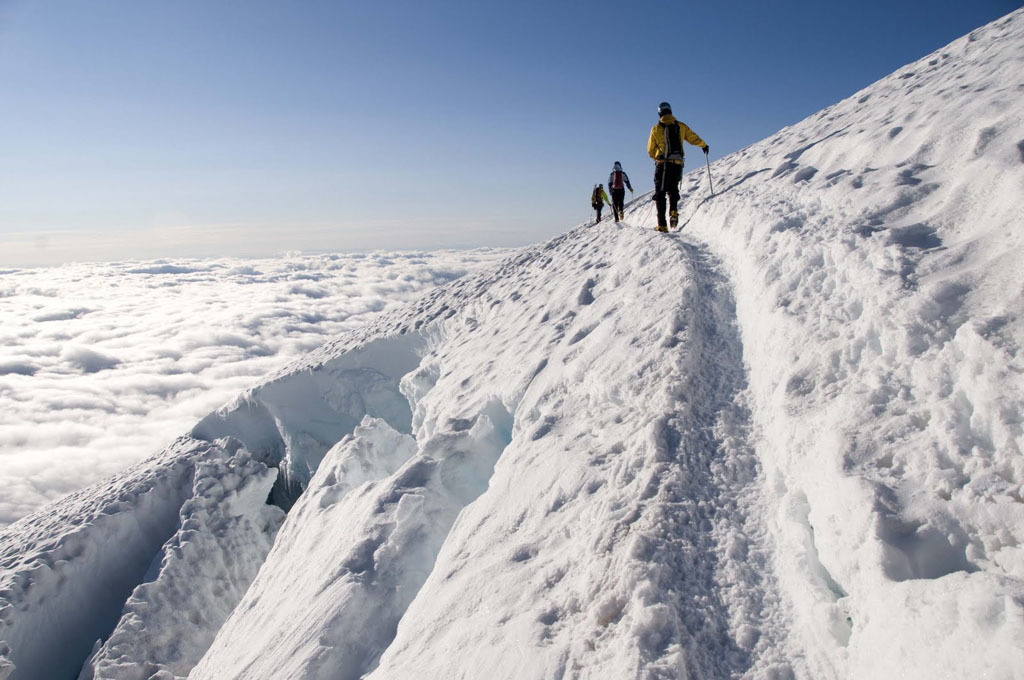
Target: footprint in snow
[586, 295]
[915, 236]
[544, 428]
[580, 334]
[805, 175]
[833, 177]
[524, 553]
[909, 177]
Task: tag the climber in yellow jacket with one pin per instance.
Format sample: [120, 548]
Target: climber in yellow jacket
[666, 148]
[598, 199]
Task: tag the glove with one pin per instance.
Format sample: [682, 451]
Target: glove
[706, 149]
[630, 191]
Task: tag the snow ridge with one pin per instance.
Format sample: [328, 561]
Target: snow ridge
[513, 346]
[783, 444]
[612, 489]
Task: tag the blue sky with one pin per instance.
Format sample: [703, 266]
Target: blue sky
[155, 129]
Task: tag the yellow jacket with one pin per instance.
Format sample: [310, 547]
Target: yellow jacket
[595, 197]
[656, 144]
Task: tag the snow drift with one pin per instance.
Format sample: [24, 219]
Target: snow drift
[783, 444]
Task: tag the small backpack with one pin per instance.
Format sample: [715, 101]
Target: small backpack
[673, 142]
[617, 179]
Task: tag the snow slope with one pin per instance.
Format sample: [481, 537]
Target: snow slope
[875, 252]
[785, 443]
[560, 492]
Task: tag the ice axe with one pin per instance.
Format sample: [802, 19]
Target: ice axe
[708, 164]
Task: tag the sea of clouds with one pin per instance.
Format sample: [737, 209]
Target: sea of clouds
[102, 365]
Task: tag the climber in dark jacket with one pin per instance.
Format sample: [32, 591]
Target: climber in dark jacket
[618, 182]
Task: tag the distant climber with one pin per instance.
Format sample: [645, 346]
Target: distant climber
[666, 148]
[616, 181]
[597, 200]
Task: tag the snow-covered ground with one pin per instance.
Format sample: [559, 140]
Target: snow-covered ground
[102, 364]
[875, 250]
[785, 443]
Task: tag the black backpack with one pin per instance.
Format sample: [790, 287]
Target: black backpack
[673, 142]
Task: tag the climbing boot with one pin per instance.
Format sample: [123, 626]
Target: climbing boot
[674, 219]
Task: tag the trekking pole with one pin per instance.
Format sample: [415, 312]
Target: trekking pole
[708, 164]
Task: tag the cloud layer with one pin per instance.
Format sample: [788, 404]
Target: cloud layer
[102, 365]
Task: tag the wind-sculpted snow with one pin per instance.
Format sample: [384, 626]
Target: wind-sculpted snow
[784, 444]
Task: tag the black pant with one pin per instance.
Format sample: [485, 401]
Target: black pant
[598, 209]
[666, 181]
[618, 197]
